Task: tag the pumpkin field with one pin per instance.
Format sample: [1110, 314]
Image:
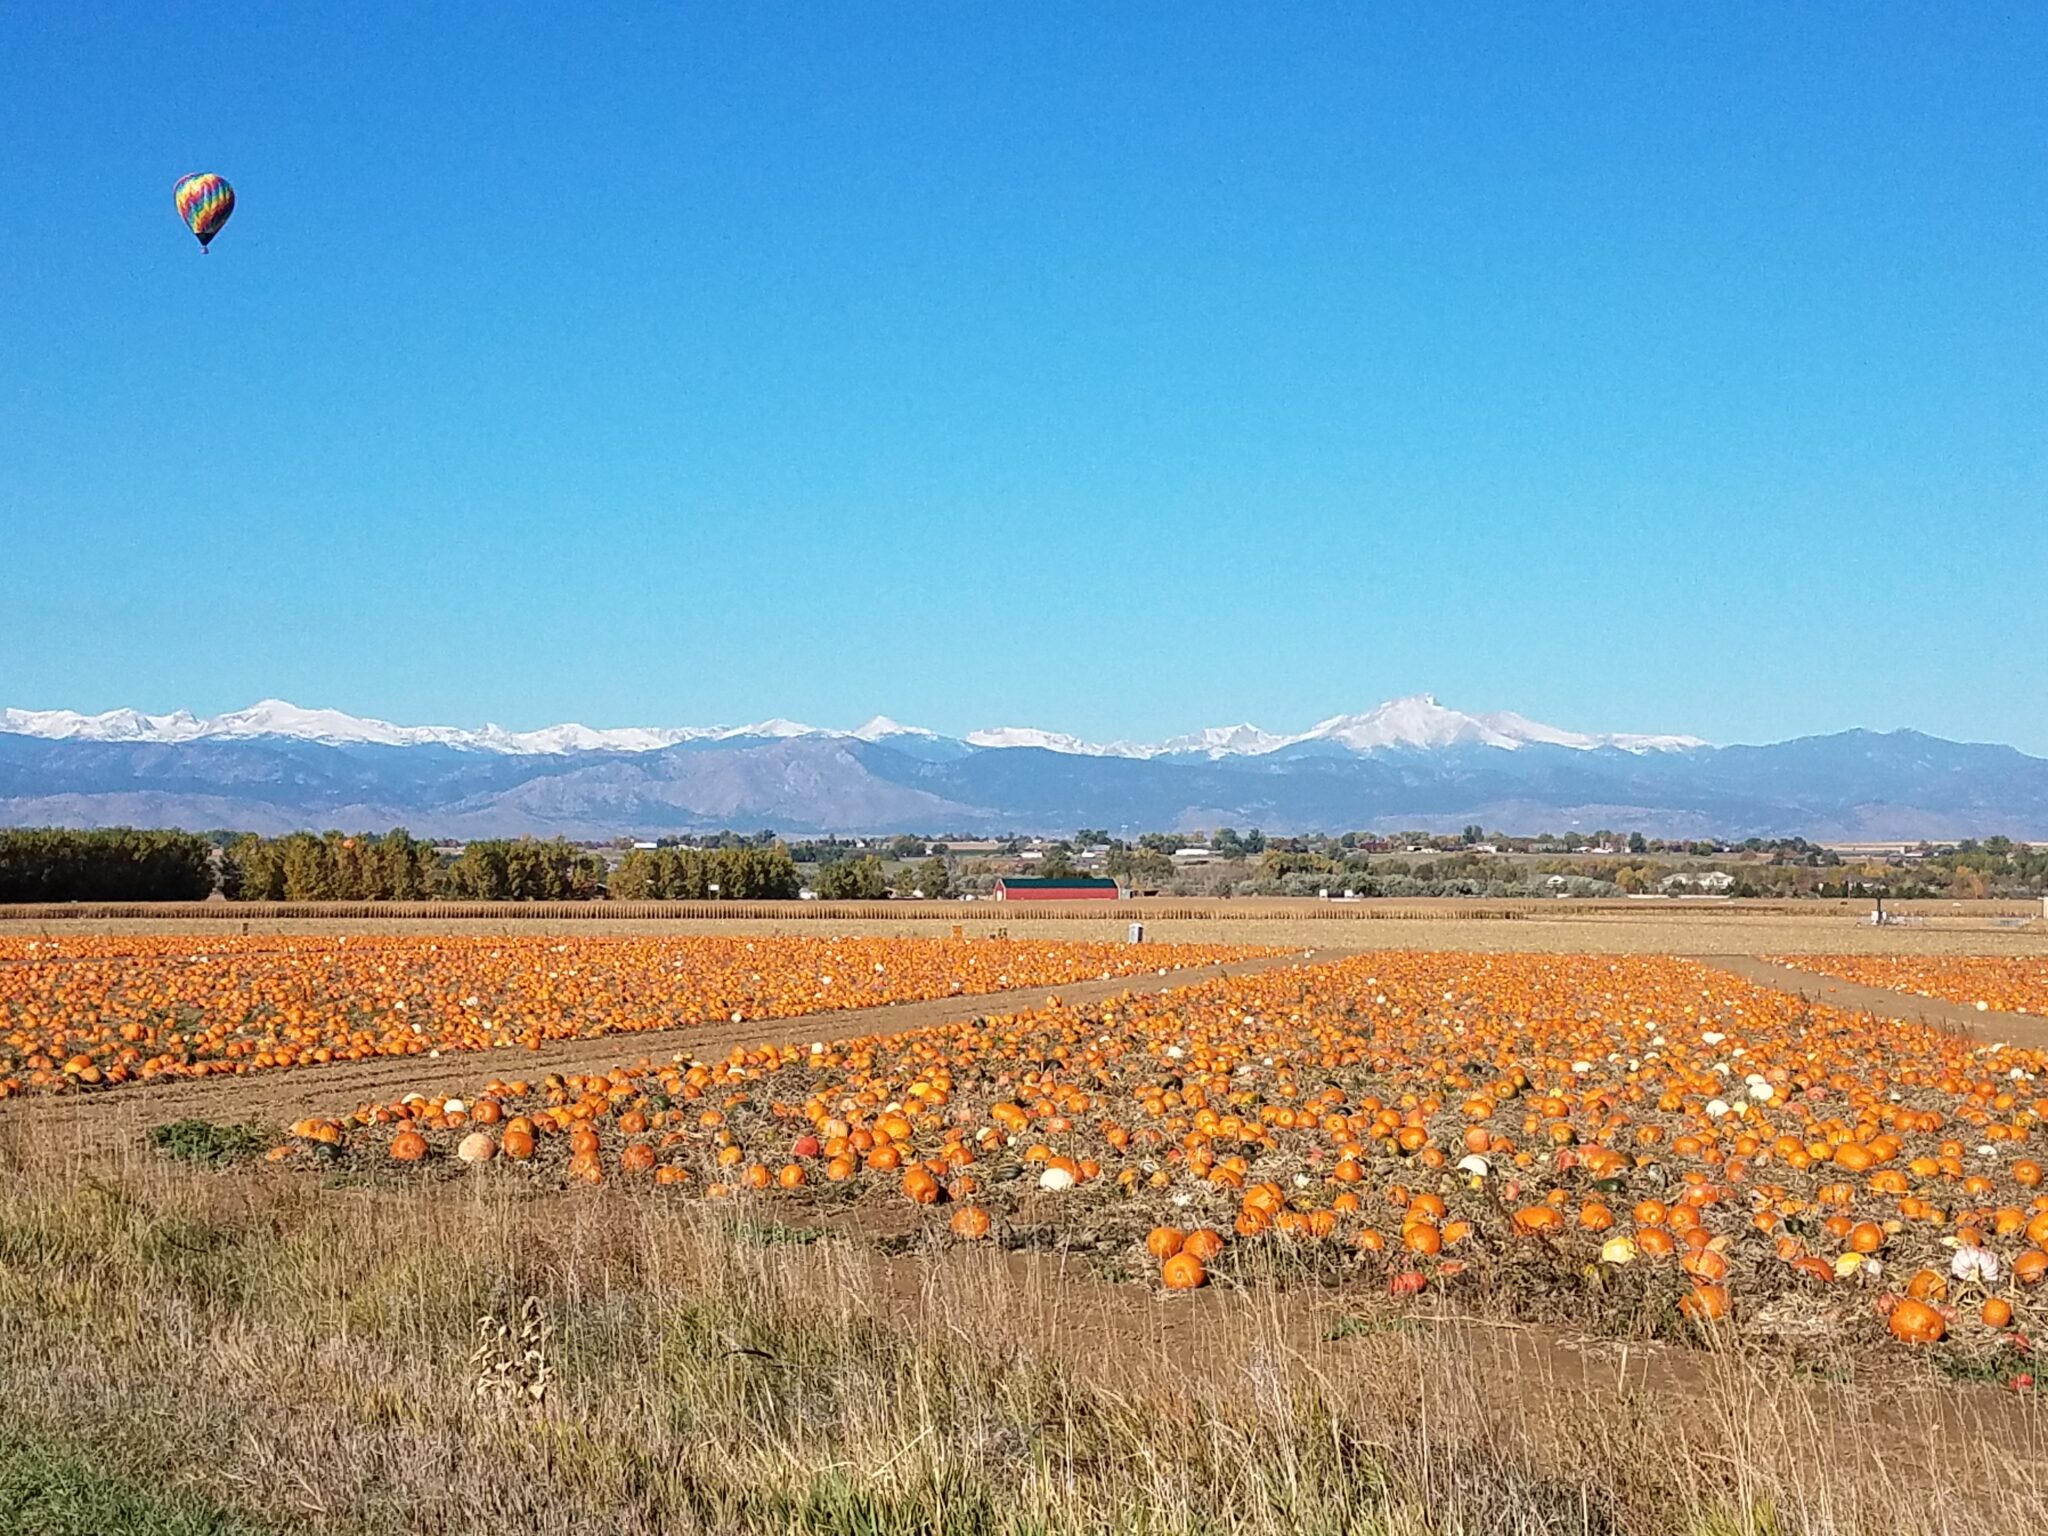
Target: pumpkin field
[1031, 1264]
[1642, 1144]
[2005, 984]
[101, 1011]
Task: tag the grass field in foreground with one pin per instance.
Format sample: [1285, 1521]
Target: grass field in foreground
[190, 1350]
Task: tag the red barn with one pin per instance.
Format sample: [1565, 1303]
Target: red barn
[1056, 888]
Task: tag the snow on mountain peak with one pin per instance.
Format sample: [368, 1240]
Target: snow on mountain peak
[1523, 729]
[1051, 741]
[879, 727]
[275, 717]
[776, 727]
[1417, 723]
[1223, 741]
[114, 725]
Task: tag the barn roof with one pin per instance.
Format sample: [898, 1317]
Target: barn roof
[1056, 882]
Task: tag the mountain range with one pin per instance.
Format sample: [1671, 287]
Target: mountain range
[1409, 763]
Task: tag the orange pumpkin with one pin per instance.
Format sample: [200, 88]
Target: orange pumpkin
[1164, 1242]
[1916, 1322]
[1705, 1303]
[970, 1222]
[1183, 1272]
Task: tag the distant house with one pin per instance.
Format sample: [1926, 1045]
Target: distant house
[1056, 888]
[1192, 855]
[1710, 880]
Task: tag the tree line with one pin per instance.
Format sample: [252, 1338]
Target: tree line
[334, 866]
[706, 874]
[128, 864]
[116, 864]
[124, 864]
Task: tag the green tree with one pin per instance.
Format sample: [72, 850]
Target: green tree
[110, 864]
[861, 879]
[481, 872]
[1139, 866]
[309, 873]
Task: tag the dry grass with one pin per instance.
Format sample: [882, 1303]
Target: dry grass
[1541, 928]
[190, 1347]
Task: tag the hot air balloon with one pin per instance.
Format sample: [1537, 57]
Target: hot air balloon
[204, 203]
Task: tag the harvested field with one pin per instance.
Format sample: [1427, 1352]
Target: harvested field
[1653, 928]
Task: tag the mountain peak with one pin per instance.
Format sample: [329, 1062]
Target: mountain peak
[1414, 722]
[1409, 762]
[876, 727]
[1050, 741]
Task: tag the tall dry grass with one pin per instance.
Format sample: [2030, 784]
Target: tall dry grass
[305, 1357]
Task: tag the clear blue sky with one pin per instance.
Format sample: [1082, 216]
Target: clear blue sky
[1636, 367]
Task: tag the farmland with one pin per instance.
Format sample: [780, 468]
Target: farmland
[98, 1011]
[1010, 1234]
[1709, 1151]
[1973, 981]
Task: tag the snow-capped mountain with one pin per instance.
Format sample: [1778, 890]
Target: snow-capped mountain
[1417, 723]
[1410, 763]
[274, 717]
[1222, 741]
[1054, 741]
[882, 728]
[1421, 723]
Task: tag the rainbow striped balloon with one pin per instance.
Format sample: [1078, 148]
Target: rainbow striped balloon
[204, 203]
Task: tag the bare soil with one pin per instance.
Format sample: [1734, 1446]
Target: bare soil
[1666, 928]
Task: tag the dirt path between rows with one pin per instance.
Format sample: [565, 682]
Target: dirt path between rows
[2022, 1029]
[282, 1095]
